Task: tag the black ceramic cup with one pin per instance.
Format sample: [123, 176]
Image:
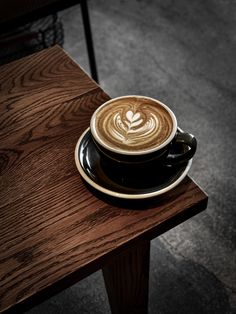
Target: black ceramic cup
[131, 139]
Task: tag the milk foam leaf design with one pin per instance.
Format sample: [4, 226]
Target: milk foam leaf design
[135, 124]
[133, 119]
[132, 116]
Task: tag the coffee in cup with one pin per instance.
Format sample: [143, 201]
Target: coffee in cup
[132, 130]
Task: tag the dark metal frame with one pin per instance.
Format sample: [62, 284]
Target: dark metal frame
[40, 12]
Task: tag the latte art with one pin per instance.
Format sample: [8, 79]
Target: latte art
[131, 128]
[134, 124]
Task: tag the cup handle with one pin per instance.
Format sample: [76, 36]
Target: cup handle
[184, 139]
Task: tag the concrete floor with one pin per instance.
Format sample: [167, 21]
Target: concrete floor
[182, 53]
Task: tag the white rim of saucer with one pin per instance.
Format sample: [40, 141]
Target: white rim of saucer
[140, 152]
[118, 194]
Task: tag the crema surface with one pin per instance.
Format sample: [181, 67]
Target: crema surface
[133, 124]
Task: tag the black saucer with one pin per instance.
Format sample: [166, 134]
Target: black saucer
[145, 184]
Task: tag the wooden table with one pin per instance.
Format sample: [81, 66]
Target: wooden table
[54, 231]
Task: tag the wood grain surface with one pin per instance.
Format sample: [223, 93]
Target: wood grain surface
[127, 278]
[53, 229]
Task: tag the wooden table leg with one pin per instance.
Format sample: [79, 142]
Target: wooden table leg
[127, 278]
